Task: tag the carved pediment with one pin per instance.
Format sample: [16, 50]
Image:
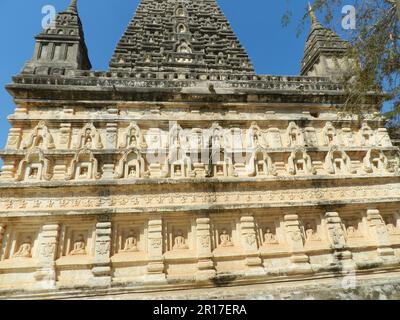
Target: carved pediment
[84, 166]
[89, 138]
[34, 167]
[40, 137]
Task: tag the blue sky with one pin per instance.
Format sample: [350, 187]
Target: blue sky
[273, 49]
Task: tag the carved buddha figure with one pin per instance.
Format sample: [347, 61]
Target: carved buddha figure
[25, 249]
[311, 235]
[79, 246]
[132, 172]
[390, 225]
[33, 173]
[130, 242]
[133, 140]
[269, 237]
[88, 138]
[83, 171]
[352, 231]
[225, 239]
[179, 241]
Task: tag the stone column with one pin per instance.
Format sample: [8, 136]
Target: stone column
[249, 242]
[2, 231]
[205, 264]
[102, 263]
[300, 261]
[343, 257]
[377, 229]
[155, 267]
[46, 273]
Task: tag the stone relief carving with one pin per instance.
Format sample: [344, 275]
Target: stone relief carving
[131, 243]
[375, 161]
[300, 162]
[34, 167]
[255, 137]
[260, 164]
[310, 232]
[179, 241]
[89, 138]
[329, 135]
[225, 239]
[270, 236]
[338, 162]
[40, 137]
[79, 246]
[294, 135]
[25, 249]
[133, 137]
[83, 166]
[131, 165]
[366, 135]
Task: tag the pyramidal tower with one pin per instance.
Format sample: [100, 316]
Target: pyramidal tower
[181, 167]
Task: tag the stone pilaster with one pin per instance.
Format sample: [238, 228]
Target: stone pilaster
[155, 267]
[295, 239]
[65, 135]
[8, 169]
[101, 263]
[14, 138]
[249, 242]
[111, 136]
[205, 264]
[2, 231]
[46, 273]
[379, 233]
[343, 257]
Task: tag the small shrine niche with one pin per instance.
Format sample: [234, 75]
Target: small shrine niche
[294, 135]
[329, 134]
[300, 163]
[338, 162]
[129, 240]
[84, 166]
[260, 164]
[34, 167]
[310, 230]
[23, 245]
[267, 233]
[133, 137]
[89, 138]
[353, 228]
[375, 161]
[366, 135]
[40, 137]
[131, 165]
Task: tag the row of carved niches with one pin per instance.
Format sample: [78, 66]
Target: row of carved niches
[132, 136]
[179, 236]
[175, 163]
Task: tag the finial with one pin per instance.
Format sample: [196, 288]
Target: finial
[311, 12]
[73, 8]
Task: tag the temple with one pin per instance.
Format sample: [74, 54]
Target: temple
[180, 167]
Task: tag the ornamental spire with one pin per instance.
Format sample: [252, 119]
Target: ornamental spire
[73, 7]
[313, 17]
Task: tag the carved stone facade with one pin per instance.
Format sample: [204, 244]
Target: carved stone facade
[159, 172]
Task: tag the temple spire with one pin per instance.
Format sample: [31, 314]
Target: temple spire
[73, 7]
[313, 17]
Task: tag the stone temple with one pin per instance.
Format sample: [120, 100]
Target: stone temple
[181, 168]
